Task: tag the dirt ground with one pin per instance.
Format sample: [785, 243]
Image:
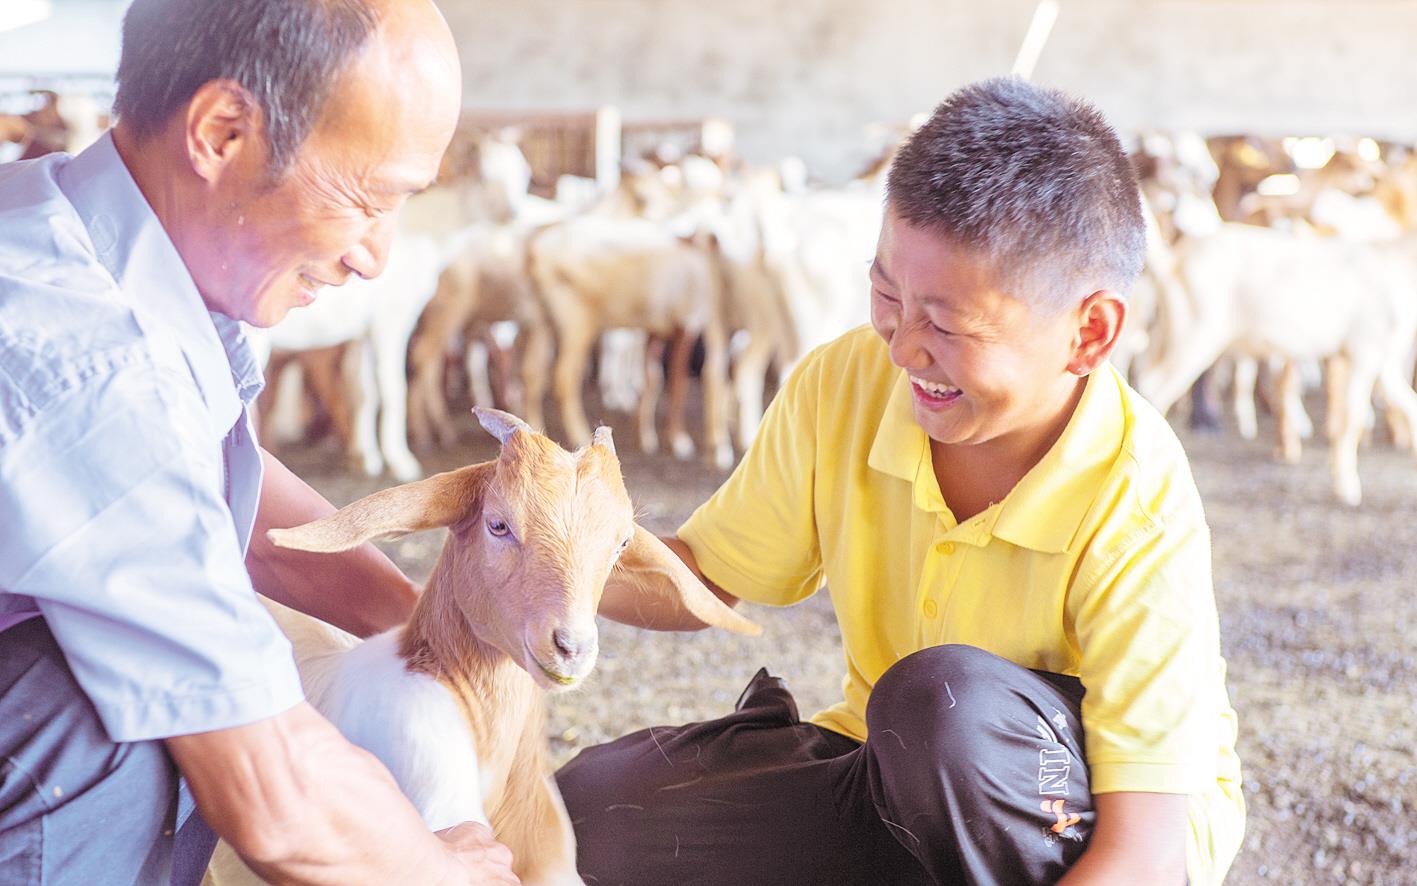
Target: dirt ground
[1317, 619]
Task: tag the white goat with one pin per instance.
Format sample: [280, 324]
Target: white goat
[1265, 293]
[488, 284]
[596, 273]
[451, 702]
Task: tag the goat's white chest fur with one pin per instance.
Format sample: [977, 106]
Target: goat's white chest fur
[410, 721]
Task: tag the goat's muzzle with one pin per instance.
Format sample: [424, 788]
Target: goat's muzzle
[565, 657]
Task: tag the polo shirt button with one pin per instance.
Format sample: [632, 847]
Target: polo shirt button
[946, 547]
[931, 610]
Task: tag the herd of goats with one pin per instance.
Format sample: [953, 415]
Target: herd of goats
[1291, 261]
[1281, 263]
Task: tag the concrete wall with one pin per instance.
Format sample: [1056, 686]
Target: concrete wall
[805, 76]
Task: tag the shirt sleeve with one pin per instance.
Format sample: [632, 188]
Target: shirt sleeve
[116, 523]
[756, 537]
[1150, 663]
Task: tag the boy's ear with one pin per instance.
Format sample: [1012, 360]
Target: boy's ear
[1100, 320]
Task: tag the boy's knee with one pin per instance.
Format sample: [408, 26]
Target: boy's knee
[940, 695]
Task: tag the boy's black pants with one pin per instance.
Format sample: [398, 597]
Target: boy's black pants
[973, 772]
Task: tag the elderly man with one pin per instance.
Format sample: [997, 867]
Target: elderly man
[262, 152]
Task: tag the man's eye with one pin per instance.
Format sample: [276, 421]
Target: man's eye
[497, 527]
[883, 297]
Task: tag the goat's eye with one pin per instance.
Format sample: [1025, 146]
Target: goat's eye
[497, 527]
[624, 544]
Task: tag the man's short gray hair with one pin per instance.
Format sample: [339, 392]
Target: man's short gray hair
[1032, 179]
[286, 53]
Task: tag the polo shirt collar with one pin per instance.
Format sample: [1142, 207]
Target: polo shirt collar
[1044, 511]
[131, 243]
[902, 450]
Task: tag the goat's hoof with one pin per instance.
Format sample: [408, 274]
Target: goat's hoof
[1350, 496]
[683, 446]
[723, 457]
[649, 444]
[406, 470]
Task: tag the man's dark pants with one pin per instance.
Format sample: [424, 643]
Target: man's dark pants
[973, 772]
[77, 809]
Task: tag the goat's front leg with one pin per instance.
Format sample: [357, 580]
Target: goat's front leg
[681, 352]
[577, 337]
[541, 839]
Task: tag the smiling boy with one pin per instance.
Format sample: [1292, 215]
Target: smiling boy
[1014, 547]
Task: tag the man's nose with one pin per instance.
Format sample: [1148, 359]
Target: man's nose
[370, 255]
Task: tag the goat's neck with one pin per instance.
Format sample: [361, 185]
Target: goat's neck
[500, 700]
[440, 642]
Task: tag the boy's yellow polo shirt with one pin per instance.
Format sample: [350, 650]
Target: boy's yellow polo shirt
[1096, 565]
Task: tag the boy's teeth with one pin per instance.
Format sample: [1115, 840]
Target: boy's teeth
[934, 387]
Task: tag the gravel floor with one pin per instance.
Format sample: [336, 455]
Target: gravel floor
[1316, 606]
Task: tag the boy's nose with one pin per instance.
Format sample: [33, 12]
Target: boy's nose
[905, 349]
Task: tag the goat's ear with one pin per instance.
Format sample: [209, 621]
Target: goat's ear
[441, 500]
[499, 424]
[602, 437]
[653, 567]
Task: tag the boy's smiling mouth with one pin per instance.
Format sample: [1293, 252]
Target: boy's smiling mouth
[934, 395]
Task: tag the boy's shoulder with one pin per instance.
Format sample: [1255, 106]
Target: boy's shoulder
[1152, 463]
[853, 365]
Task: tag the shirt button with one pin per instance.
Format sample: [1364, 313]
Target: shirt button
[930, 609]
[946, 547]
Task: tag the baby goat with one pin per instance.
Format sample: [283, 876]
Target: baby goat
[449, 701]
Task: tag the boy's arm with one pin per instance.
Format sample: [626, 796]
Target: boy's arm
[361, 590]
[643, 605]
[1138, 838]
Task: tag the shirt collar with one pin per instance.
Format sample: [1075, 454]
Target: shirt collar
[1045, 510]
[131, 243]
[902, 450]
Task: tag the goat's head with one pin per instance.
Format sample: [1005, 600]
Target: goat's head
[535, 535]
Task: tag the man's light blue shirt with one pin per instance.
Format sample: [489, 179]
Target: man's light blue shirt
[129, 474]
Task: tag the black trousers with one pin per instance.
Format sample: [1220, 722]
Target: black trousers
[77, 809]
[973, 772]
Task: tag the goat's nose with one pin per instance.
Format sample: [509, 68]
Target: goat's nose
[573, 645]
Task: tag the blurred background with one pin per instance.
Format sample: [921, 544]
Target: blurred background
[743, 143]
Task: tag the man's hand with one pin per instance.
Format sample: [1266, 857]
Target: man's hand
[301, 805]
[483, 858]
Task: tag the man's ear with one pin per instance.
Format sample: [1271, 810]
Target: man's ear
[1100, 320]
[223, 122]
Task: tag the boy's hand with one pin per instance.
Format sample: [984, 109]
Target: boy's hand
[481, 857]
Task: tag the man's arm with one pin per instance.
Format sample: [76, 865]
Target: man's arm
[646, 605]
[361, 590]
[1138, 838]
[301, 805]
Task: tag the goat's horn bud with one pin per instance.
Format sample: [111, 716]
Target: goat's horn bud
[601, 437]
[499, 424]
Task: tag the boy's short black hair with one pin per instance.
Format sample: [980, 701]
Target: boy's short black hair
[1033, 179]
